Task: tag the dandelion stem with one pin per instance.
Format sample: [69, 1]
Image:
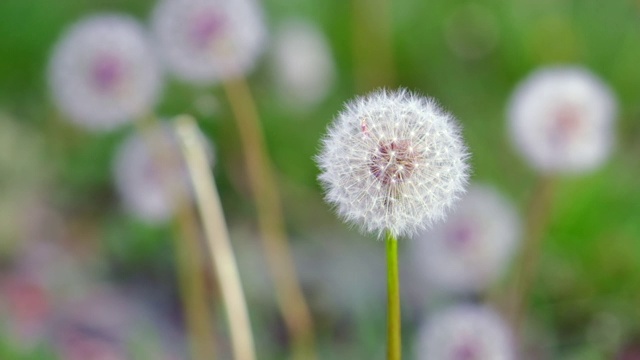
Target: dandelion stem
[293, 306]
[191, 279]
[218, 239]
[536, 224]
[394, 341]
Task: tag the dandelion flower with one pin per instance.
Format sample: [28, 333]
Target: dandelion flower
[104, 73]
[561, 119]
[147, 168]
[207, 41]
[393, 160]
[465, 332]
[472, 248]
[303, 64]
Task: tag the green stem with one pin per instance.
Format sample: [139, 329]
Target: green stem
[538, 217]
[394, 341]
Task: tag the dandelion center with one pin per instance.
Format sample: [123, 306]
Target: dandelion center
[460, 236]
[206, 27]
[566, 122]
[106, 73]
[393, 162]
[465, 352]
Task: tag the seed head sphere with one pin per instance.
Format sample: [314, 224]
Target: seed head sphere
[103, 72]
[562, 119]
[204, 42]
[393, 160]
[472, 248]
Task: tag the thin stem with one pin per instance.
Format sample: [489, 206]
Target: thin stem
[291, 301]
[217, 237]
[536, 224]
[191, 279]
[394, 340]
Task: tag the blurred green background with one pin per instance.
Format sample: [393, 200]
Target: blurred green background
[467, 54]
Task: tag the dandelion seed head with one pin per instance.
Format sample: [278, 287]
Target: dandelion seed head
[150, 174]
[465, 332]
[103, 72]
[393, 161]
[561, 119]
[207, 41]
[472, 248]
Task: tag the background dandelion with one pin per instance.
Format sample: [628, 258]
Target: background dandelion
[561, 119]
[471, 249]
[147, 170]
[208, 41]
[103, 72]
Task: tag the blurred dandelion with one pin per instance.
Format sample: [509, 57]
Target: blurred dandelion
[561, 119]
[303, 65]
[140, 179]
[465, 332]
[103, 72]
[472, 248]
[208, 41]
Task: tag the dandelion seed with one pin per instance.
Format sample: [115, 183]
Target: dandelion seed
[465, 332]
[472, 248]
[104, 73]
[386, 177]
[207, 41]
[561, 119]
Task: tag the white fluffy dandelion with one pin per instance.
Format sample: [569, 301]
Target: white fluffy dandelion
[393, 160]
[465, 332]
[207, 41]
[561, 119]
[150, 175]
[472, 248]
[104, 73]
[303, 64]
